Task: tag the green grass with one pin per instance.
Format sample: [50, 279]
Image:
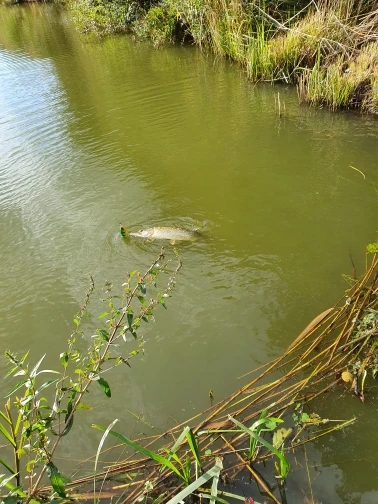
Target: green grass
[328, 50]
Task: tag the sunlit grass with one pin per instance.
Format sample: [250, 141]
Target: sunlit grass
[328, 49]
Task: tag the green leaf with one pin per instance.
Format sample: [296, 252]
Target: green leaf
[211, 473]
[372, 248]
[45, 385]
[271, 424]
[35, 368]
[305, 417]
[104, 436]
[56, 479]
[7, 466]
[5, 482]
[5, 418]
[104, 334]
[84, 406]
[142, 300]
[144, 451]
[16, 387]
[263, 441]
[68, 415]
[159, 499]
[162, 302]
[192, 441]
[142, 288]
[130, 316]
[103, 314]
[64, 359]
[11, 499]
[178, 441]
[7, 435]
[105, 386]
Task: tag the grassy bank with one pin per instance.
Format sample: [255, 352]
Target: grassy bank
[329, 49]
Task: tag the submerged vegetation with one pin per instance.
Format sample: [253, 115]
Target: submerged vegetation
[257, 430]
[329, 48]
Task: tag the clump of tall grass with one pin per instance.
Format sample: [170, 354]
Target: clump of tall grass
[346, 82]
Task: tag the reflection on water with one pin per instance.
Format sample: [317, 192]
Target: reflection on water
[94, 135]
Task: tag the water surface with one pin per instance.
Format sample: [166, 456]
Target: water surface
[97, 133]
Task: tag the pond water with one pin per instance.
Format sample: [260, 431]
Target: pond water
[94, 133]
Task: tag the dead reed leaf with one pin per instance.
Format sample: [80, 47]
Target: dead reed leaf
[312, 325]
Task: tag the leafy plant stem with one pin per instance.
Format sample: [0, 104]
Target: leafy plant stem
[89, 379]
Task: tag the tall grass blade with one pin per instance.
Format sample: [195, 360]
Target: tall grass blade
[192, 441]
[213, 471]
[144, 451]
[102, 441]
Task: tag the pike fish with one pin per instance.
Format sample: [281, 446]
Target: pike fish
[172, 234]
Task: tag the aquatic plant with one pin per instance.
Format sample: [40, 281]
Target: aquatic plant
[339, 347]
[324, 355]
[33, 424]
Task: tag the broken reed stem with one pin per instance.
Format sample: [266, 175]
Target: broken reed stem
[309, 375]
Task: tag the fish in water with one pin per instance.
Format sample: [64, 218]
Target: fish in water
[172, 234]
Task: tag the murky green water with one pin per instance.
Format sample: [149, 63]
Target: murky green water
[94, 134]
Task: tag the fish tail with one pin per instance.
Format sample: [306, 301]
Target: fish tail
[124, 232]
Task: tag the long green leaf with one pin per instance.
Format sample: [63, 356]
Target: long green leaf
[143, 450]
[8, 436]
[16, 387]
[104, 436]
[7, 466]
[35, 368]
[192, 441]
[177, 443]
[213, 471]
[261, 440]
[56, 479]
[180, 439]
[5, 482]
[159, 499]
[69, 418]
[45, 385]
[5, 418]
[105, 386]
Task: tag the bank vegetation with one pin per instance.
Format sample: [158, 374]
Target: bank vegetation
[327, 48]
